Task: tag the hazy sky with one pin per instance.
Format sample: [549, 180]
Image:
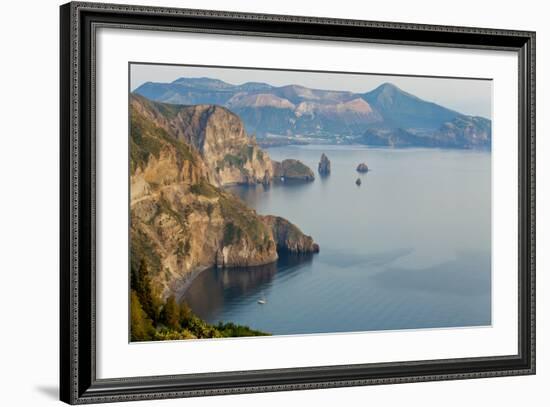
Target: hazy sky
[468, 96]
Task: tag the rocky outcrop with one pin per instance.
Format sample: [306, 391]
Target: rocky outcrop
[465, 132]
[229, 155]
[324, 165]
[180, 220]
[288, 237]
[292, 170]
[217, 135]
[362, 168]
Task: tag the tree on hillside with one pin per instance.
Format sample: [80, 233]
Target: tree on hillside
[141, 327]
[141, 283]
[171, 313]
[185, 314]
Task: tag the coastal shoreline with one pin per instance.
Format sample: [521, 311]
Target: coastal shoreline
[184, 283]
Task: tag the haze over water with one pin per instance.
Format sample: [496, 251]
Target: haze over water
[409, 248]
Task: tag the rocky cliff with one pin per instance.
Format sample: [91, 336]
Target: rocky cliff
[181, 221]
[288, 237]
[293, 170]
[467, 132]
[219, 137]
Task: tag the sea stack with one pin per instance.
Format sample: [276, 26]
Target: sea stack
[362, 168]
[266, 180]
[324, 165]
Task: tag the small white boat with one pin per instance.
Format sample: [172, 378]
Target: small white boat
[262, 301]
[283, 179]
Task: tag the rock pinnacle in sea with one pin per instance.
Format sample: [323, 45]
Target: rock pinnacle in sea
[324, 165]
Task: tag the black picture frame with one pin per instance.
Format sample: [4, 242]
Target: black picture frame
[78, 382]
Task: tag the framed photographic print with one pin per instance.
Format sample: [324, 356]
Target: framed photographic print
[256, 203]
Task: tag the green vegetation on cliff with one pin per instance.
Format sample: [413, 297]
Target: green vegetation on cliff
[242, 221]
[177, 321]
[141, 326]
[181, 220]
[205, 189]
[147, 139]
[239, 158]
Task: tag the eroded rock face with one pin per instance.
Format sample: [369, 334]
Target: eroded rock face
[324, 165]
[229, 155]
[465, 132]
[216, 134]
[293, 170]
[362, 168]
[288, 237]
[181, 221]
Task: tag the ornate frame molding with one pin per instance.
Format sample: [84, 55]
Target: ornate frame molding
[77, 210]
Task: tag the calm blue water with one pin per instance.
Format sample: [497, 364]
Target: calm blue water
[409, 248]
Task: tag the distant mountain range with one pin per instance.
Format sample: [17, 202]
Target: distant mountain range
[385, 116]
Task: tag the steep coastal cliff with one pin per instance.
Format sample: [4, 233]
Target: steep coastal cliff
[229, 155]
[181, 221]
[288, 237]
